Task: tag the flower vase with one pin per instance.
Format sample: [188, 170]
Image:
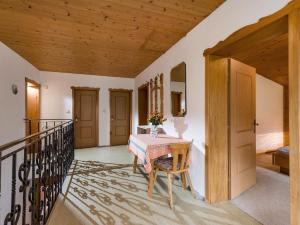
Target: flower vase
[154, 131]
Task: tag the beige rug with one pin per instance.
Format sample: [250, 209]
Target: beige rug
[110, 194]
[268, 200]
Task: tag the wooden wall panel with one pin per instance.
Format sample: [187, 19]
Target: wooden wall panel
[216, 133]
[294, 114]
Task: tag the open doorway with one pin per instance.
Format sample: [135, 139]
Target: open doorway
[271, 47]
[272, 136]
[260, 192]
[257, 139]
[32, 106]
[258, 142]
[143, 104]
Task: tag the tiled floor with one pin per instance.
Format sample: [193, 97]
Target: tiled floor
[101, 189]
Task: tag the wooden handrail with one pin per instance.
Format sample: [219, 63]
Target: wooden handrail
[48, 119]
[18, 141]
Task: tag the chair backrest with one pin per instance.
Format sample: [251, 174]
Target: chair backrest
[180, 154]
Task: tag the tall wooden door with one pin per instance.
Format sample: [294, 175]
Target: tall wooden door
[242, 127]
[143, 93]
[120, 110]
[32, 106]
[85, 117]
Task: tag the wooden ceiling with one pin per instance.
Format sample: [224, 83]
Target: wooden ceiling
[270, 59]
[103, 37]
[265, 49]
[269, 53]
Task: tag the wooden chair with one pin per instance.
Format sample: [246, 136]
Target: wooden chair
[177, 164]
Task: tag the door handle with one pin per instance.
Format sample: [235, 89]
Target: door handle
[255, 124]
[76, 120]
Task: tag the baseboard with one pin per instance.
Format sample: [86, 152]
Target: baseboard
[198, 195]
[103, 146]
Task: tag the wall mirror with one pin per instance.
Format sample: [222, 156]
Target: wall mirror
[178, 90]
[156, 94]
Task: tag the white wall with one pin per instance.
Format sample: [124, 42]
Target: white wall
[229, 17]
[56, 99]
[57, 96]
[269, 114]
[13, 70]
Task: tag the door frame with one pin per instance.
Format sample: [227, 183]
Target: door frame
[216, 109]
[27, 80]
[130, 109]
[97, 107]
[143, 86]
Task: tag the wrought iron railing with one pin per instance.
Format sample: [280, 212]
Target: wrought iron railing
[38, 125]
[34, 169]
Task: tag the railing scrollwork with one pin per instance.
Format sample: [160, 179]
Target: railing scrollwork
[37, 171]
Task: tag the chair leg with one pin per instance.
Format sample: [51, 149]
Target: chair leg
[190, 183]
[155, 175]
[170, 189]
[183, 181]
[151, 183]
[135, 163]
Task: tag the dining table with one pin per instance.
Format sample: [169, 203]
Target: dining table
[147, 149]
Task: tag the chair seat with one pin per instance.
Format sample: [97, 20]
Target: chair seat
[164, 163]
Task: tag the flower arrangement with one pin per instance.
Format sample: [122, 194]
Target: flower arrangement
[156, 119]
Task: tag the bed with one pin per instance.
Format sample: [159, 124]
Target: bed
[281, 159]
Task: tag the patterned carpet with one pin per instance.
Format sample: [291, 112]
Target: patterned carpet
[110, 194]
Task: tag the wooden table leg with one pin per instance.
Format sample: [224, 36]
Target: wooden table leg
[135, 163]
[151, 180]
[183, 181]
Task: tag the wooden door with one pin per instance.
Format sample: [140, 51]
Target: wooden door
[143, 105]
[85, 117]
[242, 127]
[32, 106]
[176, 103]
[120, 110]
